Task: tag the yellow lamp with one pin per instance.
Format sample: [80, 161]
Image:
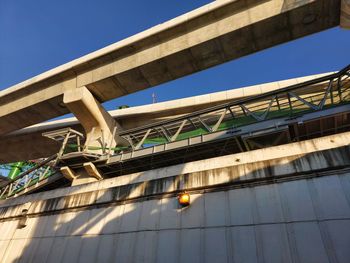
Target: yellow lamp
[184, 199]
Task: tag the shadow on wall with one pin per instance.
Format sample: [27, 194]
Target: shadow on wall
[304, 220]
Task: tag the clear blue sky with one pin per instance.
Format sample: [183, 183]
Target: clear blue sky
[37, 35]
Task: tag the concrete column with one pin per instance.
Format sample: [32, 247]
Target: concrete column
[97, 122]
[345, 14]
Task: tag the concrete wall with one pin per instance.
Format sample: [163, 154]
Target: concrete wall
[296, 221]
[278, 204]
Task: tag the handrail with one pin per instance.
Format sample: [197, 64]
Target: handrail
[7, 186]
[49, 159]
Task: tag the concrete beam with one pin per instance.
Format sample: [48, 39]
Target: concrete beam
[208, 36]
[92, 171]
[68, 173]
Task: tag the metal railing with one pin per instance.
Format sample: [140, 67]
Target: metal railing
[29, 178]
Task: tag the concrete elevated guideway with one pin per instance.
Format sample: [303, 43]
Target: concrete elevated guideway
[208, 36]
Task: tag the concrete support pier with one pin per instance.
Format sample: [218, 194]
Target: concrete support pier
[97, 122]
[101, 133]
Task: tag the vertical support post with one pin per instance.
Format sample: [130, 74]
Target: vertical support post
[63, 145]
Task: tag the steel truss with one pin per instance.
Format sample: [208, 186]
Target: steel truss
[290, 102]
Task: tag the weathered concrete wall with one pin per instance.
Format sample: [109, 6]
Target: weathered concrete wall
[279, 158]
[288, 204]
[296, 221]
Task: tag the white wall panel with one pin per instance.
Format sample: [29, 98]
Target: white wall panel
[72, 249]
[57, 250]
[125, 247]
[112, 219]
[215, 243]
[273, 242]
[168, 246]
[145, 247]
[88, 250]
[268, 202]
[191, 246]
[242, 206]
[296, 200]
[96, 221]
[339, 232]
[308, 240]
[43, 248]
[150, 215]
[244, 244]
[330, 198]
[297, 221]
[106, 249]
[193, 215]
[215, 209]
[131, 216]
[169, 214]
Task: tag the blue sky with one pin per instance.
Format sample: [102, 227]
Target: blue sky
[38, 35]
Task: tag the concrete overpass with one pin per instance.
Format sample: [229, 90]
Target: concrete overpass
[208, 36]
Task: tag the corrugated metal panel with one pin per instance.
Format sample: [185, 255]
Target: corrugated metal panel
[297, 221]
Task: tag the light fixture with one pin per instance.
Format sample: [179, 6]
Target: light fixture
[184, 199]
